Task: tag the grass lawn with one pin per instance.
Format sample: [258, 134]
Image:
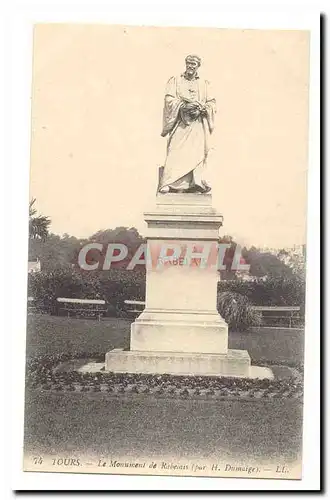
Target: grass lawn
[104, 425]
[53, 334]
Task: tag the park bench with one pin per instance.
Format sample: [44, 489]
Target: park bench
[271, 315]
[31, 307]
[134, 307]
[86, 308]
[280, 315]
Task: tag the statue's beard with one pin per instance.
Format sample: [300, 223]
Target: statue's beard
[190, 72]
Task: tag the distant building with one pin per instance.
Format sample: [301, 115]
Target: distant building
[34, 266]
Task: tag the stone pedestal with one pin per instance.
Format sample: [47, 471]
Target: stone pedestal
[235, 363]
[180, 331]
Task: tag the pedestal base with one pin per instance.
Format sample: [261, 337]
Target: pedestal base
[179, 331]
[235, 363]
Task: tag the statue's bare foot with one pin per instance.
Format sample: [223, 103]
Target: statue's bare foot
[164, 190]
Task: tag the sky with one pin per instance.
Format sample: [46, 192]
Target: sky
[97, 104]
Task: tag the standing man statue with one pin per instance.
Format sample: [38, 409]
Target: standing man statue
[188, 121]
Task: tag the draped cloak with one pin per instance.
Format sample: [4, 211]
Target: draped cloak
[188, 139]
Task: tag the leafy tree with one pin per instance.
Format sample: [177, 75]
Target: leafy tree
[228, 273]
[296, 260]
[266, 264]
[38, 224]
[261, 263]
[129, 237]
[55, 252]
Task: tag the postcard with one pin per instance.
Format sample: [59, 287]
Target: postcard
[167, 251]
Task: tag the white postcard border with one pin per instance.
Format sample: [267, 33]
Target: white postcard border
[18, 90]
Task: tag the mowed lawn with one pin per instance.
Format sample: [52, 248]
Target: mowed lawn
[54, 335]
[73, 424]
[98, 424]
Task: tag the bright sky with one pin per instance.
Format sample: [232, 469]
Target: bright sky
[97, 107]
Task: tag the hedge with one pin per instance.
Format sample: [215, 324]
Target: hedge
[117, 285]
[269, 292]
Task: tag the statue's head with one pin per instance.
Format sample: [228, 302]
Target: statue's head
[193, 62]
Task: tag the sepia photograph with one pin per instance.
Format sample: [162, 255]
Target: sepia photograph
[166, 274]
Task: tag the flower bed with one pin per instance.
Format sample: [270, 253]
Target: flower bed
[41, 372]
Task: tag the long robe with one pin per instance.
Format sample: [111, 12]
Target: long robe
[188, 140]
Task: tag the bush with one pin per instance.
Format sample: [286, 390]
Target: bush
[237, 311]
[113, 286]
[268, 292]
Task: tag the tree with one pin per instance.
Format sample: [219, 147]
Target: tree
[129, 237]
[266, 264]
[228, 273]
[295, 258]
[38, 224]
[262, 264]
[55, 252]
